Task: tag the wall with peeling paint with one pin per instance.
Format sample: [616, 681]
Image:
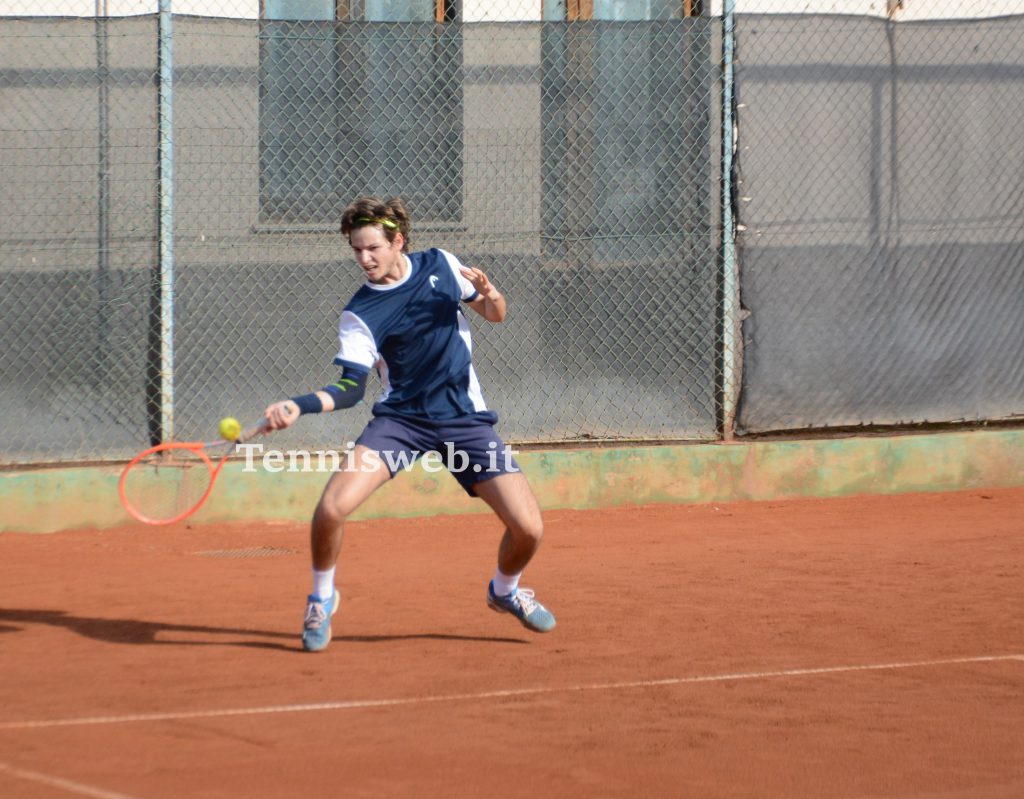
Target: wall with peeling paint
[47, 500]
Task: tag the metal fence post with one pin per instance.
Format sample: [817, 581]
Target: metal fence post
[166, 222]
[730, 276]
[104, 355]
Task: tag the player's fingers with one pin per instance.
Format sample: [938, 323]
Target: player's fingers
[478, 278]
[276, 419]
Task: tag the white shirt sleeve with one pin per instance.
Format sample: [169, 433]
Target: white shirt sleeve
[357, 344]
[467, 291]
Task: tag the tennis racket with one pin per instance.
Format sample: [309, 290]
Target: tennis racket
[166, 483]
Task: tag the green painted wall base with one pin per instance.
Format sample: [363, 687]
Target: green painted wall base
[52, 499]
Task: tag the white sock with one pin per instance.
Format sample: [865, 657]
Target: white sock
[505, 584]
[323, 583]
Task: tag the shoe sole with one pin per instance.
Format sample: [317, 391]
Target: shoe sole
[334, 609]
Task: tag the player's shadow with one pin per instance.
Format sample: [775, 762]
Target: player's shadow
[132, 631]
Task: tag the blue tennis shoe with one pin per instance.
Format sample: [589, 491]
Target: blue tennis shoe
[521, 604]
[316, 627]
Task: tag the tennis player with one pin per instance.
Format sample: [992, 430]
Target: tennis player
[407, 322]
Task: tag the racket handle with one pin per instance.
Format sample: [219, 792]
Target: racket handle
[258, 429]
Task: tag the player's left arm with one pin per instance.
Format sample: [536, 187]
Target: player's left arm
[489, 302]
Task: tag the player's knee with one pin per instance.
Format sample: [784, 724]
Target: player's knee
[531, 529]
[332, 509]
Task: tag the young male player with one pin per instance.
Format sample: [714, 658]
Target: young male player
[406, 321]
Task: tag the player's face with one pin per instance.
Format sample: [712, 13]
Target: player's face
[380, 259]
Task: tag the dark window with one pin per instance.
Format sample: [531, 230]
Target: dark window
[363, 96]
[622, 10]
[626, 129]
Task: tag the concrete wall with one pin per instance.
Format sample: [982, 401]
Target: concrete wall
[47, 500]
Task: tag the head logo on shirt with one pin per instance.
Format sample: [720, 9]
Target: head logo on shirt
[433, 281]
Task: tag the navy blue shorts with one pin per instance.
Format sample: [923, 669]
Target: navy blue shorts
[468, 445]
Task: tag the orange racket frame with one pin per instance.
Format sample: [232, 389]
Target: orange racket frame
[199, 449]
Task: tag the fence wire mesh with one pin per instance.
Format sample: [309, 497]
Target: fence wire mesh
[173, 175]
[883, 250]
[572, 163]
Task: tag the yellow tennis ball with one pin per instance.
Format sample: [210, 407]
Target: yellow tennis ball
[230, 428]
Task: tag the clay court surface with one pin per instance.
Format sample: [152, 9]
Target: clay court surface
[859, 647]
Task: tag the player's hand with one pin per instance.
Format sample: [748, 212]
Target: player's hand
[480, 282]
[281, 414]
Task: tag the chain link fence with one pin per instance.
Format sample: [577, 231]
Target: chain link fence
[883, 242]
[173, 175]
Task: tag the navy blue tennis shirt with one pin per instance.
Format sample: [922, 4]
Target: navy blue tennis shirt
[417, 337]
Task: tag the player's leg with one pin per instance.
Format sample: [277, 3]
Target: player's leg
[362, 472]
[512, 499]
[484, 466]
[385, 445]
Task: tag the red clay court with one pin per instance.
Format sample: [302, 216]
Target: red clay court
[858, 647]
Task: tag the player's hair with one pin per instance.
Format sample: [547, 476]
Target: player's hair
[390, 214]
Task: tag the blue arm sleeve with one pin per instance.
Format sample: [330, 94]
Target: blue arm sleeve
[346, 391]
[349, 389]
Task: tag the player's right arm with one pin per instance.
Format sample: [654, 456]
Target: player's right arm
[346, 392]
[357, 355]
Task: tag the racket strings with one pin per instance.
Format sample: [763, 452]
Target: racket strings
[167, 485]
